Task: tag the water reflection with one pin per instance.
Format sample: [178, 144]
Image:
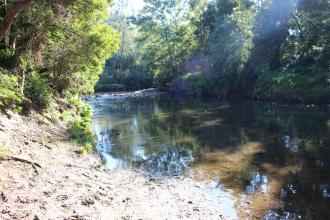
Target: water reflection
[273, 215]
[131, 138]
[259, 182]
[274, 158]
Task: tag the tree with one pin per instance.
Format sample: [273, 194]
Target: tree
[166, 39]
[65, 43]
[10, 16]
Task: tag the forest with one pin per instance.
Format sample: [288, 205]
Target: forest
[271, 50]
[52, 49]
[165, 109]
[268, 49]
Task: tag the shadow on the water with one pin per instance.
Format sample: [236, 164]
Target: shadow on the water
[275, 159]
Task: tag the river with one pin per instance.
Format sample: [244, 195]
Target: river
[274, 159]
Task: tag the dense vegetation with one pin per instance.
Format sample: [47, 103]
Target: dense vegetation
[53, 50]
[266, 49]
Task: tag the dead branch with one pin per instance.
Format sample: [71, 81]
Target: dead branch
[34, 164]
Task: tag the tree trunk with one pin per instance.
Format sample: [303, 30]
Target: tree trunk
[11, 14]
[21, 80]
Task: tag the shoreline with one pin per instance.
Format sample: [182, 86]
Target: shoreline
[158, 91]
[70, 186]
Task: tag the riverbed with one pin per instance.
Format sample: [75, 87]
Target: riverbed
[274, 160]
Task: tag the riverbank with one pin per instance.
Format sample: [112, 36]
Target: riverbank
[234, 98]
[43, 177]
[128, 95]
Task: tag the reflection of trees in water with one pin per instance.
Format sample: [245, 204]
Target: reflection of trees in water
[292, 161]
[172, 151]
[158, 148]
[293, 140]
[171, 160]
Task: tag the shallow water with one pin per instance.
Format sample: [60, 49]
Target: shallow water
[276, 160]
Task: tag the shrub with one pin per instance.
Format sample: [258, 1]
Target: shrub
[9, 91]
[81, 133]
[202, 85]
[87, 148]
[79, 126]
[7, 58]
[38, 91]
[294, 85]
[103, 87]
[180, 88]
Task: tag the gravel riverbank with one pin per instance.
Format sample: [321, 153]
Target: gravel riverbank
[43, 177]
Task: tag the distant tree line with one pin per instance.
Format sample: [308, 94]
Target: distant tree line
[266, 49]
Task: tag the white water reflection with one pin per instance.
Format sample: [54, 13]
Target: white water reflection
[324, 190]
[273, 215]
[259, 183]
[291, 143]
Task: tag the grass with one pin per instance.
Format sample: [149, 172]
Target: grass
[4, 151]
[87, 148]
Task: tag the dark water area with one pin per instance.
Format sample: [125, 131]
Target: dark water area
[275, 159]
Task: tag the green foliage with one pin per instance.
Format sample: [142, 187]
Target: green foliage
[86, 44]
[7, 58]
[61, 45]
[166, 41]
[123, 73]
[202, 86]
[231, 40]
[79, 125]
[9, 91]
[161, 41]
[293, 84]
[87, 148]
[79, 132]
[274, 49]
[279, 48]
[103, 86]
[38, 91]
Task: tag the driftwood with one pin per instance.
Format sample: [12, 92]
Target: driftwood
[19, 159]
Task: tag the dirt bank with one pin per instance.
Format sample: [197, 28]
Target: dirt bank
[42, 177]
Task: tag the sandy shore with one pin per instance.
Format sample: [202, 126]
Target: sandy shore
[44, 178]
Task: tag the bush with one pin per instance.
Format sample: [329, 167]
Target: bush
[202, 85]
[87, 148]
[180, 88]
[82, 134]
[79, 126]
[9, 91]
[103, 87]
[38, 91]
[293, 85]
[7, 58]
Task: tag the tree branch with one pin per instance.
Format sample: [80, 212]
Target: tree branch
[10, 16]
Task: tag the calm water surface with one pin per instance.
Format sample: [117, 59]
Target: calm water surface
[276, 160]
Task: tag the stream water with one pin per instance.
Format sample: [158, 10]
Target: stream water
[275, 160]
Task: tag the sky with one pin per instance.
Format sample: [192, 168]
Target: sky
[132, 6]
[135, 5]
